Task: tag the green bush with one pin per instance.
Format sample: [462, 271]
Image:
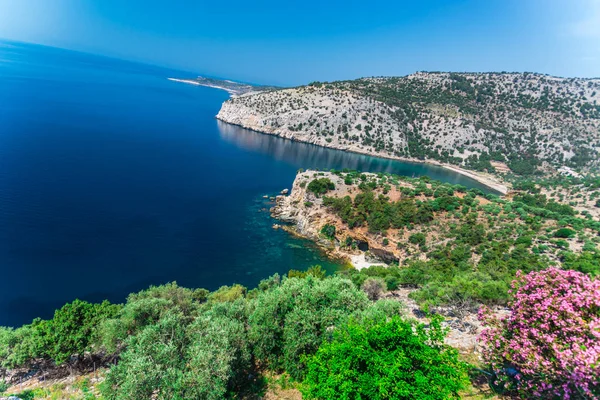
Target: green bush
[328, 231]
[564, 233]
[228, 293]
[6, 338]
[315, 271]
[525, 240]
[418, 239]
[374, 288]
[3, 386]
[320, 186]
[74, 326]
[385, 359]
[292, 320]
[152, 362]
[176, 358]
[72, 330]
[146, 308]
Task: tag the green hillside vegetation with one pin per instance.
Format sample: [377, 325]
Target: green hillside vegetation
[473, 243]
[178, 343]
[491, 102]
[583, 191]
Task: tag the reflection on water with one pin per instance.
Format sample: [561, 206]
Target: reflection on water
[309, 156]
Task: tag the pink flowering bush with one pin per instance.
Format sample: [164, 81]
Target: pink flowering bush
[549, 345]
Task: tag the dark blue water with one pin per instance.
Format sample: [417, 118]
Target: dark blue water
[113, 178]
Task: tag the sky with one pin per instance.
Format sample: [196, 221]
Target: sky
[297, 42]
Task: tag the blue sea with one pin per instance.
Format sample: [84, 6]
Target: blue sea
[113, 178]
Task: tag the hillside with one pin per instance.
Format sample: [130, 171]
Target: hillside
[458, 246]
[526, 121]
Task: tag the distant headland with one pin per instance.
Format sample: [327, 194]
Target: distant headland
[231, 87]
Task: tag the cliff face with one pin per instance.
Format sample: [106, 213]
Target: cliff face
[461, 119]
[311, 115]
[303, 210]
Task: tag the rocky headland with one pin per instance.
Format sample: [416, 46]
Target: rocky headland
[404, 218]
[231, 87]
[481, 125]
[304, 213]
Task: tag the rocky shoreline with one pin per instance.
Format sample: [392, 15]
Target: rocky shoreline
[433, 118]
[304, 215]
[230, 114]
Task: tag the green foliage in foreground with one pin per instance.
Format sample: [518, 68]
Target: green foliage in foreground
[385, 359]
[215, 349]
[72, 331]
[202, 359]
[179, 343]
[315, 271]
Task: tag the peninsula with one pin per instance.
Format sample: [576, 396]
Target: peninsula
[231, 87]
[424, 225]
[480, 124]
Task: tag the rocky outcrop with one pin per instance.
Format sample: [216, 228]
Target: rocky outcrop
[305, 216]
[386, 256]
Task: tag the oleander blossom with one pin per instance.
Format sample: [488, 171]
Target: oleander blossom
[549, 345]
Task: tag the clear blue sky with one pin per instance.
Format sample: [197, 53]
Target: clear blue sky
[294, 42]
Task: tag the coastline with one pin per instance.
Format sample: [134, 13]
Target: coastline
[234, 89]
[343, 259]
[302, 213]
[488, 181]
[196, 83]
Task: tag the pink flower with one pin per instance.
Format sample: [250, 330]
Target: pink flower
[552, 336]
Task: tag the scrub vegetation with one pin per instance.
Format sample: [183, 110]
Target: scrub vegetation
[324, 338]
[455, 247]
[178, 343]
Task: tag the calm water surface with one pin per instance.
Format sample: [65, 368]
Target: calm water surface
[113, 178]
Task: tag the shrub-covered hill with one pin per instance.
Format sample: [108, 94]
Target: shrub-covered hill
[467, 119]
[456, 246]
[170, 342]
